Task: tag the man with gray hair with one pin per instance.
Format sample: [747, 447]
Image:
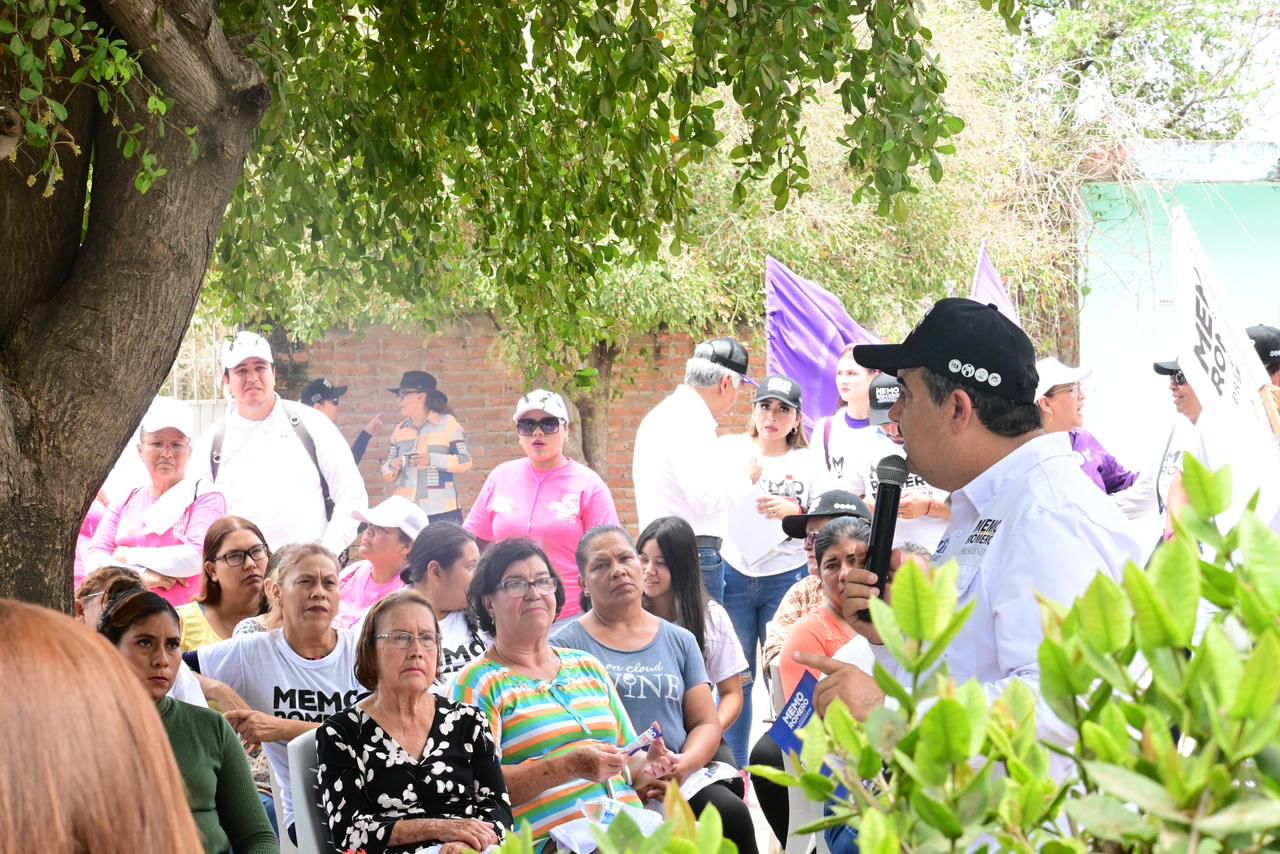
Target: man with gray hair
[678, 467]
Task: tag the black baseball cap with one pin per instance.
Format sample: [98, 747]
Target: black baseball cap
[415, 381]
[830, 504]
[1266, 340]
[779, 388]
[1166, 369]
[883, 394]
[321, 390]
[972, 343]
[727, 353]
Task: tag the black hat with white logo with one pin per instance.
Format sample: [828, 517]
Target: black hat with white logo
[972, 343]
[883, 394]
[1266, 340]
[829, 504]
[779, 388]
[318, 391]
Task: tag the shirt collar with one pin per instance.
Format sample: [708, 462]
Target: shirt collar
[693, 402]
[992, 483]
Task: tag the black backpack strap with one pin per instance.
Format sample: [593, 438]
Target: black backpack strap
[215, 449]
[304, 436]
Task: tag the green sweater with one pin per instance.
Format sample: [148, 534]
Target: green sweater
[220, 788]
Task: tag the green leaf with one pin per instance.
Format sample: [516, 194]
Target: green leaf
[1218, 662]
[1209, 492]
[945, 731]
[1175, 574]
[1152, 620]
[1257, 735]
[885, 727]
[886, 623]
[1105, 615]
[938, 647]
[59, 111]
[1260, 547]
[1107, 818]
[915, 603]
[7, 27]
[774, 775]
[936, 814]
[892, 687]
[1055, 680]
[1260, 686]
[1133, 787]
[40, 27]
[978, 709]
[28, 94]
[1244, 817]
[1097, 740]
[817, 787]
[876, 833]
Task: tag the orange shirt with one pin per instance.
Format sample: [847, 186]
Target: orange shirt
[822, 633]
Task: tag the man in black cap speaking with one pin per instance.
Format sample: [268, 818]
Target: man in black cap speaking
[1026, 520]
[323, 396]
[678, 467]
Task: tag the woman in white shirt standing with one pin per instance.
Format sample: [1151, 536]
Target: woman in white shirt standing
[760, 561]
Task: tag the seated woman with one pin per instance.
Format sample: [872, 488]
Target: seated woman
[294, 677]
[384, 550]
[220, 790]
[656, 667]
[161, 527]
[673, 590]
[403, 769]
[442, 563]
[235, 558]
[556, 717]
[86, 764]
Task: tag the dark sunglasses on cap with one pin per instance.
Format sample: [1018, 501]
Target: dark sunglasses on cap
[527, 426]
[1178, 378]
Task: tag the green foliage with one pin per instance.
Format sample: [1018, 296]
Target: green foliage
[1122, 668]
[60, 47]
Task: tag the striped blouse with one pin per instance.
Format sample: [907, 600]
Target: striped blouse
[534, 720]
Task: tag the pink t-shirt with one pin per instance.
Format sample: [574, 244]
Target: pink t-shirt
[360, 592]
[176, 552]
[555, 508]
[92, 520]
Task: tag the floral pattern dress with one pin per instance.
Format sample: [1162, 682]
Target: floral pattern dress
[368, 782]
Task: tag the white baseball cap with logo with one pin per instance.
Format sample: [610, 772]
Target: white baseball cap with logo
[169, 412]
[245, 345]
[548, 401]
[395, 512]
[1054, 373]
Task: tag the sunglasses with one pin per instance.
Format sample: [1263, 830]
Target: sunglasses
[548, 425]
[1179, 378]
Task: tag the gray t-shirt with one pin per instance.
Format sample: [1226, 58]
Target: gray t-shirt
[652, 680]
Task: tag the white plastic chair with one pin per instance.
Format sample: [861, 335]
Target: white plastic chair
[776, 697]
[308, 819]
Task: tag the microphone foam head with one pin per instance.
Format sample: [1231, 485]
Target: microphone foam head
[892, 469]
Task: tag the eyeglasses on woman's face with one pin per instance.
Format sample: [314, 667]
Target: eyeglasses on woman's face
[548, 425]
[237, 558]
[520, 586]
[406, 640]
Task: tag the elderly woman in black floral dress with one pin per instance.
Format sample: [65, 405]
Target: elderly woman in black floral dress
[404, 770]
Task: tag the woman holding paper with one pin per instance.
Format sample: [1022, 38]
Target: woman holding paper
[160, 529]
[658, 672]
[761, 562]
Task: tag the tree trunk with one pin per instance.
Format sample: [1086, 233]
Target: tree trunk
[593, 409]
[90, 324]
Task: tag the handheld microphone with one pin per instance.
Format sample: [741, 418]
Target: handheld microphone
[891, 473]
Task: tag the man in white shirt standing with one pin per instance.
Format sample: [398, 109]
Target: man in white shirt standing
[282, 465]
[679, 468]
[1026, 519]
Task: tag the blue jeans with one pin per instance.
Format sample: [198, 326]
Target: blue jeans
[751, 603]
[712, 572]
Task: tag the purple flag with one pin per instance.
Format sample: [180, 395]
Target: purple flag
[806, 327]
[987, 287]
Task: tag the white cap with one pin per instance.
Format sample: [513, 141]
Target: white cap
[245, 345]
[395, 512]
[548, 401]
[1054, 373]
[169, 412]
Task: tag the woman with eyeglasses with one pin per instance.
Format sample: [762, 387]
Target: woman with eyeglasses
[558, 722]
[761, 562]
[546, 496]
[160, 528]
[235, 562]
[404, 769]
[294, 677]
[428, 449]
[143, 627]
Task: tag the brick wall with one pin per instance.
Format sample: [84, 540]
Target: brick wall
[483, 391]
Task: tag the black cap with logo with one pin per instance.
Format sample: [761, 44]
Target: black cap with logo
[883, 394]
[972, 343]
[779, 388]
[1266, 340]
[829, 504]
[321, 390]
[415, 381]
[727, 353]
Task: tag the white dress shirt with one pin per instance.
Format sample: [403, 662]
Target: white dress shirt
[679, 468]
[269, 478]
[1032, 523]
